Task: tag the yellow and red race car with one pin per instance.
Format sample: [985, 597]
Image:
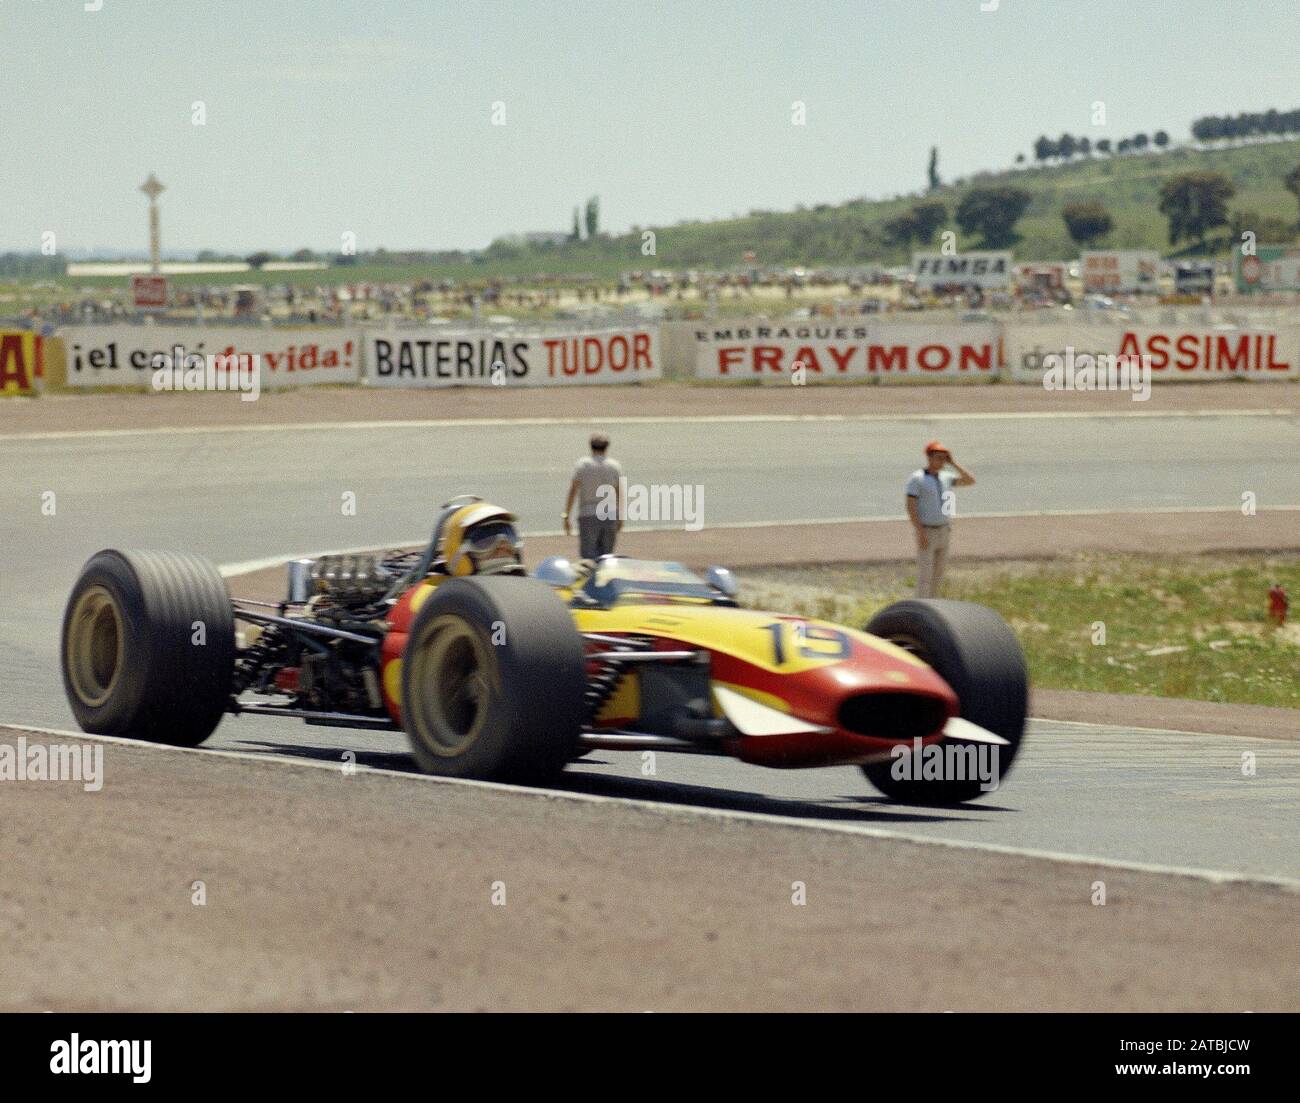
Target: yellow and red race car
[506, 677]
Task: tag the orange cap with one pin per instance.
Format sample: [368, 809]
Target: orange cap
[934, 446]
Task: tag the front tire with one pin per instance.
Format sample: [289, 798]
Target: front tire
[493, 681]
[148, 646]
[972, 649]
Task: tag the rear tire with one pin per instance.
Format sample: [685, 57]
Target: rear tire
[972, 649]
[494, 681]
[148, 646]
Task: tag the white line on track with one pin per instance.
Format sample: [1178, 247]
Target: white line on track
[708, 419]
[248, 566]
[1212, 876]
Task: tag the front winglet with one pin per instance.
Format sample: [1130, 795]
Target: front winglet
[751, 718]
[966, 732]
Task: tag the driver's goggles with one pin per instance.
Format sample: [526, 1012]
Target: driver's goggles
[483, 538]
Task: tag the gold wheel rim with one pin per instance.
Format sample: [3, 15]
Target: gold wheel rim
[95, 644]
[456, 675]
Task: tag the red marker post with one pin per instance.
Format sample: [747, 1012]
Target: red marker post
[1277, 605]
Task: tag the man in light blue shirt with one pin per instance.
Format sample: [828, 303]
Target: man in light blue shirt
[930, 507]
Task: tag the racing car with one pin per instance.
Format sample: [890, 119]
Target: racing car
[496, 674]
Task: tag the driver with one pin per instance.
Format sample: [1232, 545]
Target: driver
[481, 538]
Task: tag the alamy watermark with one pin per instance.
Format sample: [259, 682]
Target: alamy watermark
[182, 371]
[92, 1056]
[946, 761]
[83, 762]
[1085, 371]
[680, 502]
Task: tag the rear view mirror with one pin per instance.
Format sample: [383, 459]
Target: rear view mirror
[556, 571]
[722, 579]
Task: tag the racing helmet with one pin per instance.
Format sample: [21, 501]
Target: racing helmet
[481, 538]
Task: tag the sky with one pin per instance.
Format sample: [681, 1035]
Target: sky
[376, 117]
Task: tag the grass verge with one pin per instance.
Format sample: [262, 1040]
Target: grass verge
[1187, 626]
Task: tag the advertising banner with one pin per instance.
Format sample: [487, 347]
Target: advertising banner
[1272, 268]
[1043, 276]
[1187, 353]
[480, 358]
[816, 351]
[123, 356]
[1120, 271]
[989, 271]
[149, 292]
[21, 361]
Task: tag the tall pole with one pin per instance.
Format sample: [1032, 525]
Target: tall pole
[153, 189]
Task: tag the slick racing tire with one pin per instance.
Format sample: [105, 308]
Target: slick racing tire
[148, 646]
[493, 681]
[971, 648]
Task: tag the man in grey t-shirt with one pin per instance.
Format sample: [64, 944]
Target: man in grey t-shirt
[598, 490]
[930, 509]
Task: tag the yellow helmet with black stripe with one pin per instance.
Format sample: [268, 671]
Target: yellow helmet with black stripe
[481, 538]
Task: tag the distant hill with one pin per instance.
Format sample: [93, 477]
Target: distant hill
[851, 233]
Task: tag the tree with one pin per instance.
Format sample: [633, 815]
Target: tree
[576, 233]
[1124, 146]
[1213, 128]
[1194, 203]
[256, 260]
[933, 171]
[1103, 146]
[927, 217]
[1161, 139]
[1267, 228]
[1020, 158]
[917, 224]
[900, 230]
[303, 255]
[1066, 146]
[1141, 141]
[992, 213]
[1044, 149]
[1086, 222]
[1085, 146]
[28, 265]
[1291, 181]
[593, 217]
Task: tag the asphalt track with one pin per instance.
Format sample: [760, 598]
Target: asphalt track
[1165, 799]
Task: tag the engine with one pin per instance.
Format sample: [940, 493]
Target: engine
[354, 581]
[334, 674]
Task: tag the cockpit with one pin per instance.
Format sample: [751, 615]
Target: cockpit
[614, 579]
